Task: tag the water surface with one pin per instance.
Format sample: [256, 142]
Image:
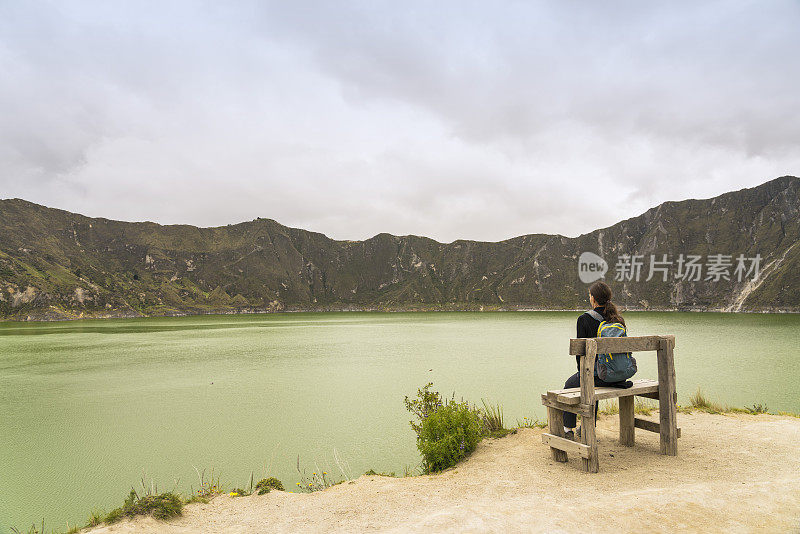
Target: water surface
[88, 408]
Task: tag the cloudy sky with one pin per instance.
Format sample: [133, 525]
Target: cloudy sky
[480, 120]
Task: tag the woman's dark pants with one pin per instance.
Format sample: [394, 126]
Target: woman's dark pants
[575, 382]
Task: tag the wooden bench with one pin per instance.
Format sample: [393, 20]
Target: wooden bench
[582, 400]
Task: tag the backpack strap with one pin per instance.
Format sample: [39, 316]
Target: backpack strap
[594, 315]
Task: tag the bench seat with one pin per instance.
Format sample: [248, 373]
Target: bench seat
[641, 386]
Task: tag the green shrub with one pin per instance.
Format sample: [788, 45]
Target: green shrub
[426, 403]
[161, 506]
[114, 515]
[448, 435]
[267, 484]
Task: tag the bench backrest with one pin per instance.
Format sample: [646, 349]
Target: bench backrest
[577, 347]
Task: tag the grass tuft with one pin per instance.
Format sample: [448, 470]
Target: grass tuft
[503, 432]
[699, 401]
[95, 518]
[644, 406]
[609, 407]
[32, 530]
[208, 487]
[317, 481]
[641, 406]
[372, 472]
[492, 417]
[531, 423]
[757, 409]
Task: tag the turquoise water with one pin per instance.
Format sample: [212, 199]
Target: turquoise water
[89, 408]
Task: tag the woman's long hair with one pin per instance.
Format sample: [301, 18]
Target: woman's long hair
[602, 295]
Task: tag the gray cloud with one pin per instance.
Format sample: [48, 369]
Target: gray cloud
[451, 120]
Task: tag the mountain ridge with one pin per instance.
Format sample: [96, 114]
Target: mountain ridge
[55, 264]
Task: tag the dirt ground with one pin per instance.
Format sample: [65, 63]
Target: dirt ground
[733, 473]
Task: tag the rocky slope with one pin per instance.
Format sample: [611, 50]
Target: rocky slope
[55, 264]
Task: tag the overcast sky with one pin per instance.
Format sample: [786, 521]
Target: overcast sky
[478, 120]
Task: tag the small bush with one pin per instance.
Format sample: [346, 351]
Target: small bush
[114, 515]
[448, 435]
[161, 506]
[265, 485]
[426, 403]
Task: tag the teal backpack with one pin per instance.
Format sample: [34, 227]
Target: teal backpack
[614, 367]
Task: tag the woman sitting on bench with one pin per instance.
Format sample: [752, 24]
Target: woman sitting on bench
[602, 310]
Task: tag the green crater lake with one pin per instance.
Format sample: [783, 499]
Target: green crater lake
[89, 408]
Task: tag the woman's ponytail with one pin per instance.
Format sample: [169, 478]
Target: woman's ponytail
[602, 295]
[611, 313]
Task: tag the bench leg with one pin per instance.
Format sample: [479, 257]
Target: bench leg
[555, 421]
[667, 399]
[588, 437]
[626, 423]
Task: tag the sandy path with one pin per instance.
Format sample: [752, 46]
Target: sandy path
[733, 473]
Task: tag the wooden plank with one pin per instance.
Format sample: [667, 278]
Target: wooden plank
[667, 409]
[590, 464]
[577, 347]
[650, 426]
[640, 387]
[626, 421]
[579, 409]
[555, 421]
[564, 446]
